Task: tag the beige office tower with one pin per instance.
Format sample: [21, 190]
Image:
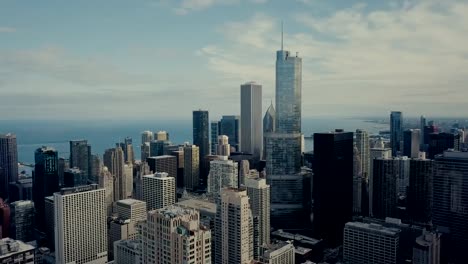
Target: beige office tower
[127, 214]
[233, 228]
[173, 235]
[81, 225]
[127, 252]
[158, 190]
[223, 148]
[161, 135]
[191, 167]
[244, 170]
[223, 174]
[128, 176]
[114, 161]
[280, 253]
[259, 197]
[106, 182]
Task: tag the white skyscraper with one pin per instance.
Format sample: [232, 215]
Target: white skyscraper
[223, 148]
[132, 209]
[114, 161]
[223, 173]
[362, 144]
[233, 228]
[251, 119]
[81, 225]
[259, 197]
[106, 181]
[158, 190]
[128, 178]
[173, 235]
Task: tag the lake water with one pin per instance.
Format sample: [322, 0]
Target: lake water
[104, 134]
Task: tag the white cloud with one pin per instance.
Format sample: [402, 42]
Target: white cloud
[7, 30]
[380, 58]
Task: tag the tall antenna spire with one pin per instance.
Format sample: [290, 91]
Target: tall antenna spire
[281, 34]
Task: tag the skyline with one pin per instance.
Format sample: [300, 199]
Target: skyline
[405, 55]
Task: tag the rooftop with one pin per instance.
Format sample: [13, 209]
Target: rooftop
[10, 247]
[373, 227]
[173, 211]
[200, 205]
[129, 201]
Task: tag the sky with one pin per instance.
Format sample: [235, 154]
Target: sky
[161, 59]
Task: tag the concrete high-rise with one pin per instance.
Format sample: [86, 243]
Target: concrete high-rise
[174, 235]
[127, 147]
[164, 163]
[420, 190]
[114, 161]
[158, 190]
[106, 182]
[251, 119]
[281, 252]
[333, 157]
[191, 168]
[22, 220]
[96, 167]
[80, 155]
[396, 131]
[450, 203]
[362, 145]
[132, 209]
[233, 228]
[411, 143]
[370, 244]
[146, 138]
[81, 225]
[127, 252]
[201, 139]
[161, 135]
[8, 162]
[230, 125]
[45, 180]
[259, 198]
[16, 251]
[223, 147]
[128, 178]
[223, 174]
[426, 248]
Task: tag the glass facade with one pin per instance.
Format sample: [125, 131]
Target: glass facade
[288, 92]
[396, 131]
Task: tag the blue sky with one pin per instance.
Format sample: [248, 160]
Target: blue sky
[159, 59]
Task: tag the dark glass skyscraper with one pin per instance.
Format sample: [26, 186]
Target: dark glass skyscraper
[420, 190]
[396, 131]
[230, 126]
[8, 162]
[80, 156]
[45, 181]
[214, 133]
[439, 142]
[332, 184]
[201, 135]
[411, 142]
[450, 206]
[251, 119]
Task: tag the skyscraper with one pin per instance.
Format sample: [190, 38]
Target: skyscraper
[214, 133]
[411, 143]
[288, 92]
[201, 139]
[74, 177]
[223, 146]
[230, 126]
[80, 155]
[127, 147]
[396, 131]
[81, 225]
[374, 154]
[45, 180]
[233, 228]
[4, 219]
[8, 162]
[362, 144]
[422, 124]
[370, 244]
[450, 203]
[164, 163]
[174, 235]
[268, 125]
[106, 182]
[439, 142]
[333, 184]
[259, 198]
[22, 220]
[191, 168]
[251, 119]
[96, 167]
[426, 248]
[420, 190]
[114, 161]
[158, 190]
[161, 135]
[146, 138]
[223, 174]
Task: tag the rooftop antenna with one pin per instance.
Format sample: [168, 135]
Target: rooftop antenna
[281, 34]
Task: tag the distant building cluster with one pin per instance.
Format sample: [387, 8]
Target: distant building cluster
[243, 192]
